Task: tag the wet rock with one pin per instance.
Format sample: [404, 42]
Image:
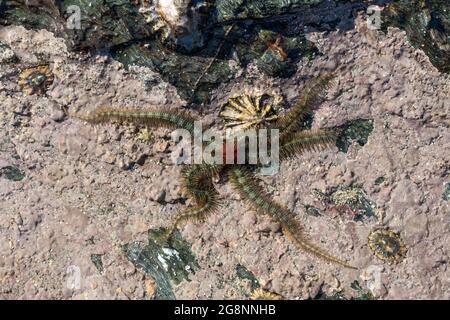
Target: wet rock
[85, 25]
[427, 26]
[240, 9]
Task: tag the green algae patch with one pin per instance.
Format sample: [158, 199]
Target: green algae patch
[276, 54]
[363, 294]
[357, 130]
[165, 261]
[30, 16]
[12, 173]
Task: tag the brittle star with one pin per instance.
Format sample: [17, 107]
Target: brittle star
[197, 179]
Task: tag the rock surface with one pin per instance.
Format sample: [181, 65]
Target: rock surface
[88, 191]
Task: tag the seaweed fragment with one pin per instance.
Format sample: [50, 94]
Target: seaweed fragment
[312, 211]
[142, 257]
[362, 294]
[379, 180]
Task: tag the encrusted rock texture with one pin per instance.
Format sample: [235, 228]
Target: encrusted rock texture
[87, 191]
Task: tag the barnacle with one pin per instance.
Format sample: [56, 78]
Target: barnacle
[36, 80]
[387, 245]
[262, 294]
[246, 111]
[144, 135]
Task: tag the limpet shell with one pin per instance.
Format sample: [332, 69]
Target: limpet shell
[36, 80]
[246, 111]
[387, 245]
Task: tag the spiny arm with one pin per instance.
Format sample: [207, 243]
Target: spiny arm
[155, 118]
[244, 181]
[312, 93]
[197, 182]
[306, 141]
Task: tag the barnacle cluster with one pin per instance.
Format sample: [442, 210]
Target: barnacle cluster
[387, 245]
[246, 111]
[36, 80]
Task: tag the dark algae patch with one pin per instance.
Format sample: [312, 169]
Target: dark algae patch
[379, 180]
[275, 54]
[144, 258]
[12, 173]
[357, 130]
[427, 26]
[363, 295]
[97, 261]
[164, 261]
[243, 273]
[185, 72]
[102, 24]
[312, 211]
